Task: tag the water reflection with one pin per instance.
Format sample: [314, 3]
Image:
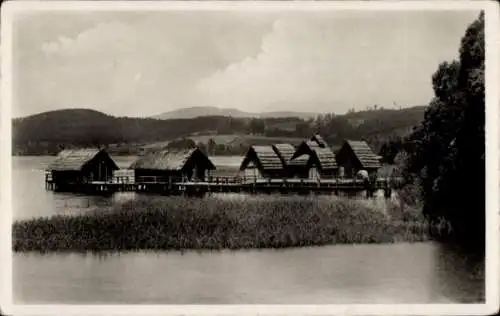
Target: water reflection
[397, 273]
[459, 274]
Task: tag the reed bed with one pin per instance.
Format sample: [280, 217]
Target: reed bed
[179, 223]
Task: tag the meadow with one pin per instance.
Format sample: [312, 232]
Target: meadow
[215, 222]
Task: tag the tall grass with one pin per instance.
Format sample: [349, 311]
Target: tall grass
[177, 223]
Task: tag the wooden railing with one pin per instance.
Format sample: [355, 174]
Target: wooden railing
[152, 179]
[380, 182]
[249, 180]
[231, 179]
[123, 179]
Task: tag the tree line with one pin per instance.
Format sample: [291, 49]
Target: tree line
[49, 132]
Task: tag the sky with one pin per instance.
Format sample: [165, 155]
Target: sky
[144, 63]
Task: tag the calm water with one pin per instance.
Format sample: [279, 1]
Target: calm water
[399, 273]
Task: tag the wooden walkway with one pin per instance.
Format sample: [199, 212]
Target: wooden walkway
[160, 185]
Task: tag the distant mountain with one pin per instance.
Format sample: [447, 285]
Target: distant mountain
[197, 111]
[302, 115]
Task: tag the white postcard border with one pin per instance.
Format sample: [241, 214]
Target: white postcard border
[491, 306]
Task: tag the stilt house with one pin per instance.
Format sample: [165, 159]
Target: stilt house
[79, 166]
[293, 168]
[318, 157]
[172, 165]
[262, 162]
[355, 156]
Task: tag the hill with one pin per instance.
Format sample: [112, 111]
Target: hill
[192, 112]
[47, 133]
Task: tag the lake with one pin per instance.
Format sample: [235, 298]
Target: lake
[343, 274]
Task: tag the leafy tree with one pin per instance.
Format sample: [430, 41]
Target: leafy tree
[211, 146]
[390, 149]
[257, 126]
[448, 148]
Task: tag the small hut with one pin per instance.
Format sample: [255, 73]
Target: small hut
[320, 159]
[355, 156]
[79, 166]
[172, 165]
[296, 167]
[262, 162]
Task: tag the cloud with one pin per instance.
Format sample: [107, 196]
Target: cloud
[110, 34]
[143, 64]
[134, 68]
[97, 68]
[314, 62]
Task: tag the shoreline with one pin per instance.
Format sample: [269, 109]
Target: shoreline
[183, 252]
[183, 224]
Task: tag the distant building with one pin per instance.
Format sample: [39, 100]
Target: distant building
[318, 158]
[79, 166]
[355, 156]
[262, 162]
[172, 165]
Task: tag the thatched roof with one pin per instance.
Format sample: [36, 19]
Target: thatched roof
[323, 155]
[310, 149]
[305, 148]
[284, 151]
[364, 154]
[172, 160]
[300, 161]
[264, 157]
[326, 158]
[312, 144]
[76, 159]
[319, 140]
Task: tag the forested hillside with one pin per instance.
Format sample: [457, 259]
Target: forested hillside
[48, 132]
